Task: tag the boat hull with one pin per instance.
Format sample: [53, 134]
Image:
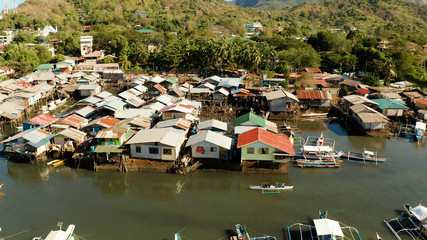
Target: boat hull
[362, 157]
[274, 188]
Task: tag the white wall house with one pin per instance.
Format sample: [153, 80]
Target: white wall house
[209, 144]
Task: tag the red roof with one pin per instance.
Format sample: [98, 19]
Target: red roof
[312, 94]
[160, 88]
[74, 121]
[4, 68]
[316, 82]
[363, 91]
[109, 121]
[281, 142]
[42, 119]
[313, 70]
[421, 101]
[294, 75]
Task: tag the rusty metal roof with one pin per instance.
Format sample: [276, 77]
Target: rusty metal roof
[42, 119]
[313, 94]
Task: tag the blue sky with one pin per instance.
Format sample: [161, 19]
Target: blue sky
[10, 3]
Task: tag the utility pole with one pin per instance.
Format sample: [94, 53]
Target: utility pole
[5, 10]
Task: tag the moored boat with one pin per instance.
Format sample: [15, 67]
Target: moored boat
[413, 223]
[271, 187]
[365, 156]
[242, 234]
[323, 229]
[314, 115]
[59, 234]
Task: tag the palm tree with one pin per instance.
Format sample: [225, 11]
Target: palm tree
[386, 66]
[124, 61]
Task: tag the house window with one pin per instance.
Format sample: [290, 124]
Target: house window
[263, 151]
[138, 149]
[250, 150]
[214, 149]
[153, 150]
[167, 151]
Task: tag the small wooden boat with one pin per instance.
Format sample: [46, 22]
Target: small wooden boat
[242, 234]
[365, 156]
[317, 164]
[271, 187]
[56, 163]
[314, 115]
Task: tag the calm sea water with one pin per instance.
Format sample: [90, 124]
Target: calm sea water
[204, 205]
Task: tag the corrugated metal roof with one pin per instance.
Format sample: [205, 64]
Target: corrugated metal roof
[74, 121]
[313, 94]
[211, 137]
[133, 112]
[73, 134]
[213, 123]
[109, 134]
[157, 79]
[108, 149]
[213, 78]
[105, 122]
[224, 91]
[167, 136]
[89, 87]
[390, 104]
[421, 101]
[91, 100]
[200, 90]
[165, 99]
[176, 122]
[160, 88]
[104, 95]
[208, 85]
[85, 111]
[138, 121]
[249, 117]
[141, 88]
[184, 108]
[413, 95]
[42, 119]
[367, 114]
[135, 101]
[230, 82]
[280, 94]
[258, 134]
[356, 99]
[155, 106]
[37, 136]
[363, 91]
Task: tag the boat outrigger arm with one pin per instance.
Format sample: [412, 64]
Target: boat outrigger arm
[325, 227]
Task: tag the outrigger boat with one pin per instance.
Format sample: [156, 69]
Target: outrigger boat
[413, 222]
[242, 234]
[59, 234]
[318, 152]
[323, 229]
[416, 130]
[270, 188]
[368, 156]
[314, 115]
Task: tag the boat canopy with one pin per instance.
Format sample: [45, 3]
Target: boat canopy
[327, 227]
[60, 234]
[420, 125]
[420, 212]
[369, 153]
[318, 149]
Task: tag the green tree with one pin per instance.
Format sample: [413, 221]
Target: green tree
[300, 58]
[58, 58]
[371, 80]
[108, 60]
[43, 54]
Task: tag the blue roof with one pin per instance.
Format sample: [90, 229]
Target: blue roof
[145, 30]
[390, 104]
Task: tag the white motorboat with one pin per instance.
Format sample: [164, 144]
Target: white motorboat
[59, 234]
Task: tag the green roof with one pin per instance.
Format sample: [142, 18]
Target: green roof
[45, 67]
[146, 30]
[235, 38]
[172, 80]
[390, 104]
[108, 149]
[249, 117]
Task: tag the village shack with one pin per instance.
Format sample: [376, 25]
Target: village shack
[368, 118]
[261, 148]
[69, 139]
[250, 121]
[209, 145]
[314, 98]
[392, 107]
[160, 144]
[279, 101]
[39, 120]
[213, 125]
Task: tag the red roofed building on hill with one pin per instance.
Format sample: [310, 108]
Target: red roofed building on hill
[421, 103]
[261, 145]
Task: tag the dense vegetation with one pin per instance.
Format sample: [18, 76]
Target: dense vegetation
[187, 36]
